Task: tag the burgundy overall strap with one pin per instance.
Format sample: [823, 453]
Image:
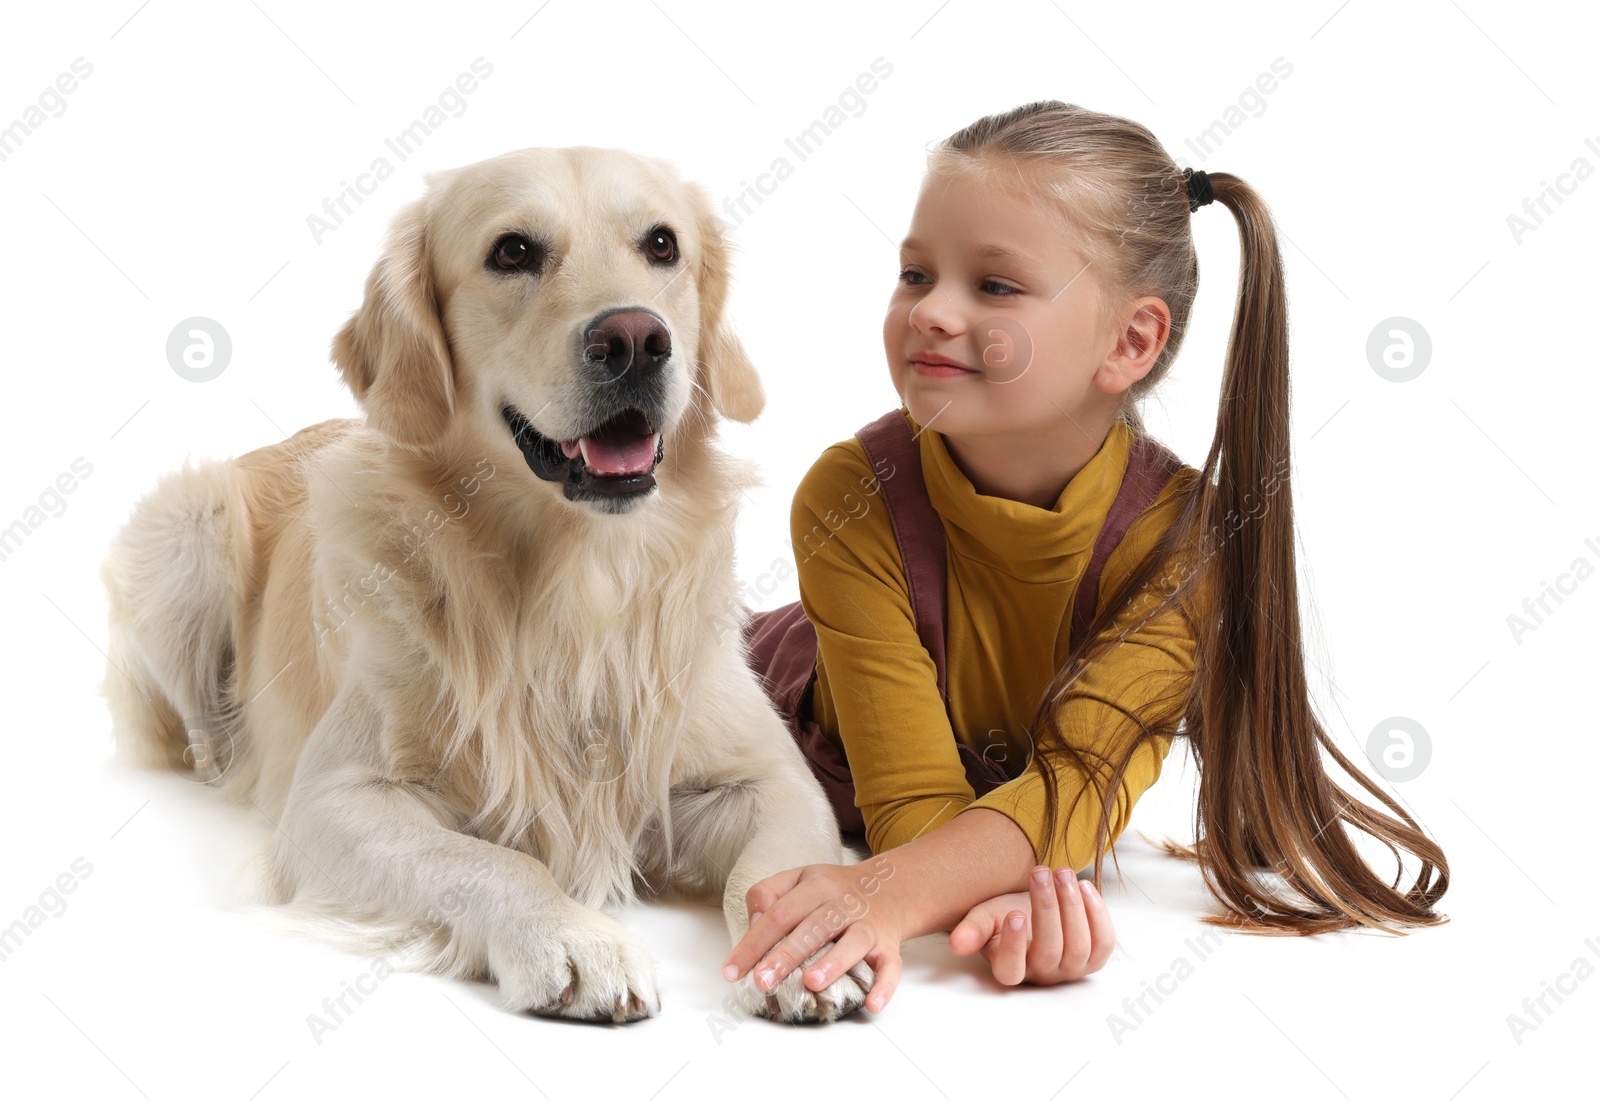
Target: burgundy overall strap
[1150, 467]
[918, 531]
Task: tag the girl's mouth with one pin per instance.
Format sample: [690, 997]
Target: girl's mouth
[939, 367]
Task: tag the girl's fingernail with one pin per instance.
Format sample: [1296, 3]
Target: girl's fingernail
[766, 977]
[1015, 921]
[1063, 875]
[730, 972]
[816, 976]
[1041, 876]
[1088, 889]
[755, 917]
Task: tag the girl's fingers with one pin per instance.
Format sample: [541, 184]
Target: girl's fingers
[767, 891]
[1104, 936]
[976, 930]
[760, 937]
[1008, 959]
[846, 952]
[981, 925]
[1044, 954]
[1075, 926]
[885, 978]
[778, 964]
[781, 917]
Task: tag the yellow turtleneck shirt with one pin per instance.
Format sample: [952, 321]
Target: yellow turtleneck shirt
[1013, 571]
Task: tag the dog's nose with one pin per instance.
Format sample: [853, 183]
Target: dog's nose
[628, 339]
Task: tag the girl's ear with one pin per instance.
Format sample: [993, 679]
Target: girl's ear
[726, 371]
[1143, 335]
[392, 352]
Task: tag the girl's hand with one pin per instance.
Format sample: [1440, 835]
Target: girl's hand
[1071, 931]
[796, 912]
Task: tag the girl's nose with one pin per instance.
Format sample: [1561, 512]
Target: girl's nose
[937, 312]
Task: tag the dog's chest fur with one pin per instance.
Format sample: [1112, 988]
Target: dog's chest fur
[559, 671]
[565, 750]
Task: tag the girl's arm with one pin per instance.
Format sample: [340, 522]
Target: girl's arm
[942, 875]
[879, 688]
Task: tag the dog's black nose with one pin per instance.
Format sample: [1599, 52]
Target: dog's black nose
[628, 340]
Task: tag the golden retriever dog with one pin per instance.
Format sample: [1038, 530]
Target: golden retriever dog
[472, 654]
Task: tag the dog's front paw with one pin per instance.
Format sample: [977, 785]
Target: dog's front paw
[793, 1003]
[581, 964]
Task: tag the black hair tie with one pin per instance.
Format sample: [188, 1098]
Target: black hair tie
[1199, 188]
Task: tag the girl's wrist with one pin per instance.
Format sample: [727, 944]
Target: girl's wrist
[928, 885]
[897, 905]
[881, 894]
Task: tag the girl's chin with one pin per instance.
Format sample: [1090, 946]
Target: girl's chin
[938, 390]
[965, 409]
[941, 406]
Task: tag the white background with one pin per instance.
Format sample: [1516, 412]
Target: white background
[178, 182]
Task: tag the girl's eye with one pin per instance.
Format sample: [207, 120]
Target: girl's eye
[1000, 290]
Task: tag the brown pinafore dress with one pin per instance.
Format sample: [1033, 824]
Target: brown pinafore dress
[782, 644]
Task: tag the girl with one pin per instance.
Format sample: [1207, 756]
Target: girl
[1046, 286]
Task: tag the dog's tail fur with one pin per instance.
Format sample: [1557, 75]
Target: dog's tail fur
[172, 576]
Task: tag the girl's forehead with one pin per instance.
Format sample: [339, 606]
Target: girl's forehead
[988, 215]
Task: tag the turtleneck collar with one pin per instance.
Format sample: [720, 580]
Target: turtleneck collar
[1026, 541]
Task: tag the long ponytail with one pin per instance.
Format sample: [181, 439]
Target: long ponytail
[1267, 804]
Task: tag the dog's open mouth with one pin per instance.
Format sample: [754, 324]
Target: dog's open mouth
[617, 458]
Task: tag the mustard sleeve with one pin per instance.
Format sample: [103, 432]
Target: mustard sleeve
[881, 681]
[1154, 662]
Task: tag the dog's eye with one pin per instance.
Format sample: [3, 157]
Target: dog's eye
[662, 245]
[514, 252]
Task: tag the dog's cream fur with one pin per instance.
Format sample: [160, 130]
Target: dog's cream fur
[473, 707]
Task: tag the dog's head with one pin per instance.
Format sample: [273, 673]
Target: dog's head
[566, 302]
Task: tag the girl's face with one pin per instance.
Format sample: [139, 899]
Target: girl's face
[991, 329]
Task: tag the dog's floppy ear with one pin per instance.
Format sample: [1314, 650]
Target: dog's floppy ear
[729, 375]
[392, 352]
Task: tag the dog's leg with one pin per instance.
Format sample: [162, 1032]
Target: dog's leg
[754, 810]
[357, 839]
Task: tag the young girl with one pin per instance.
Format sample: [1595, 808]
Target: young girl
[1046, 286]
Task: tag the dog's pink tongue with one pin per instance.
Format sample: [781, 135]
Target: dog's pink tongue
[614, 452]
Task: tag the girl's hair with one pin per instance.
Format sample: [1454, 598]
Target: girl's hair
[1267, 803]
